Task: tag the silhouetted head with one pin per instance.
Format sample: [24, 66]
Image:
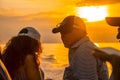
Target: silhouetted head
[72, 28]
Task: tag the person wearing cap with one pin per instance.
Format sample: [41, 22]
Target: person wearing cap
[21, 55]
[4, 75]
[82, 64]
[111, 55]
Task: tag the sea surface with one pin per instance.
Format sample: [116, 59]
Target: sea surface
[54, 59]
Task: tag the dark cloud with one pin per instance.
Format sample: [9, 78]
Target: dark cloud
[96, 2]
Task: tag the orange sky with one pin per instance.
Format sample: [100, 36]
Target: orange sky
[44, 15]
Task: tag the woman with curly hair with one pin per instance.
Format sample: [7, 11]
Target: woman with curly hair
[21, 55]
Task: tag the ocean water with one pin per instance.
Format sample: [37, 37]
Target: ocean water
[54, 59]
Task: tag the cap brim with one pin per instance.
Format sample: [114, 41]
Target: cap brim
[56, 30]
[113, 21]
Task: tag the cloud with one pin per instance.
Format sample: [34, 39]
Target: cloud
[25, 7]
[96, 2]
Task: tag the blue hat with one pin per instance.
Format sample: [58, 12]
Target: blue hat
[30, 32]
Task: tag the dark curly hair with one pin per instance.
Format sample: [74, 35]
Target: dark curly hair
[16, 51]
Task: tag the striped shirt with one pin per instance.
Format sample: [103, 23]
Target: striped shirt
[84, 64]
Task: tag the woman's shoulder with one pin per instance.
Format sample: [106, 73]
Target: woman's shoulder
[29, 59]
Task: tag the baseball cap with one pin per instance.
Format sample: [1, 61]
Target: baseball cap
[68, 24]
[30, 32]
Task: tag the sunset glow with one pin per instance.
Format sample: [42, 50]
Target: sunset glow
[44, 15]
[92, 13]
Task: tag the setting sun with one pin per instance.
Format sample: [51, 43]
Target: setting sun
[92, 13]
